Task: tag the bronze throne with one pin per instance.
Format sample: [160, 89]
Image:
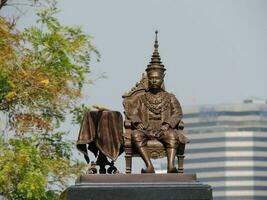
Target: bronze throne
[155, 148]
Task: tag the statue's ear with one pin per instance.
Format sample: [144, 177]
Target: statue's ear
[163, 85]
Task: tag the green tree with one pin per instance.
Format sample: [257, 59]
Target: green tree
[42, 72]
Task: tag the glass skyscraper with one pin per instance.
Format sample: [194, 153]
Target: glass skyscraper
[228, 149]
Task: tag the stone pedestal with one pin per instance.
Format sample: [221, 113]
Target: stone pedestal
[138, 186]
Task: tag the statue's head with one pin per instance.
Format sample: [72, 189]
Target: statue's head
[155, 69]
[155, 79]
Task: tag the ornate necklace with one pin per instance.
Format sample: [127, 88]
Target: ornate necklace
[155, 98]
[156, 103]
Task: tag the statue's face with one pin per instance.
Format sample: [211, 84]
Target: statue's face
[155, 79]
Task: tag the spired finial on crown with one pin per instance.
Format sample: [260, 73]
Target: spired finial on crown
[155, 63]
[156, 40]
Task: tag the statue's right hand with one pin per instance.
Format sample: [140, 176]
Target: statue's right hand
[140, 126]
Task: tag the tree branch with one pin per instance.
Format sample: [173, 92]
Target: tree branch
[3, 3]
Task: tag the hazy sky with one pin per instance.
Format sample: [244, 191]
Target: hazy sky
[214, 51]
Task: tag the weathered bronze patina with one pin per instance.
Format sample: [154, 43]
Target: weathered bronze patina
[155, 114]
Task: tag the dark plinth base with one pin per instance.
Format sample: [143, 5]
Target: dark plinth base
[137, 186]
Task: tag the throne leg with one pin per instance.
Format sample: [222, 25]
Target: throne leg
[128, 160]
[180, 163]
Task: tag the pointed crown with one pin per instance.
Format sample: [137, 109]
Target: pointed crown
[155, 63]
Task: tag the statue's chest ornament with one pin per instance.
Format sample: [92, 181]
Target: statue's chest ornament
[156, 103]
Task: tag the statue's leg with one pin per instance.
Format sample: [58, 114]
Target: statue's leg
[171, 153]
[170, 143]
[140, 140]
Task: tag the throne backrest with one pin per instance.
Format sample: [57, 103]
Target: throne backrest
[139, 89]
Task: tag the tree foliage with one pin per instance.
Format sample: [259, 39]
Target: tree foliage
[43, 69]
[21, 163]
[33, 170]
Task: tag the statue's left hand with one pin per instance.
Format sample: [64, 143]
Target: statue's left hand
[165, 127]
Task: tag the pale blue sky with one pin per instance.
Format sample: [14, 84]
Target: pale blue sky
[214, 51]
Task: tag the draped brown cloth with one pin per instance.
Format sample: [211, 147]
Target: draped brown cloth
[101, 131]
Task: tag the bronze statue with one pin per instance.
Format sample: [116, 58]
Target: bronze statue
[156, 114]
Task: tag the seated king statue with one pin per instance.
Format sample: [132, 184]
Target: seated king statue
[156, 114]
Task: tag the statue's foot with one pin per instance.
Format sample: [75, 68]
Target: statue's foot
[148, 170]
[172, 170]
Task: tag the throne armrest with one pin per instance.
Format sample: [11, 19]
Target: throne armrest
[127, 124]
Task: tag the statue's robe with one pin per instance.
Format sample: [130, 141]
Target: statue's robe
[154, 115]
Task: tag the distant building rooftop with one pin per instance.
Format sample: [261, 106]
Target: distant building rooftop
[255, 100]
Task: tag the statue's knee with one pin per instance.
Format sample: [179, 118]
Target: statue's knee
[138, 138]
[170, 135]
[169, 140]
[137, 135]
[171, 144]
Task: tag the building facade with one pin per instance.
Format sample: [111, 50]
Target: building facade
[228, 149]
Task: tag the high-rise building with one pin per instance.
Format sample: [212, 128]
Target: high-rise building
[228, 148]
